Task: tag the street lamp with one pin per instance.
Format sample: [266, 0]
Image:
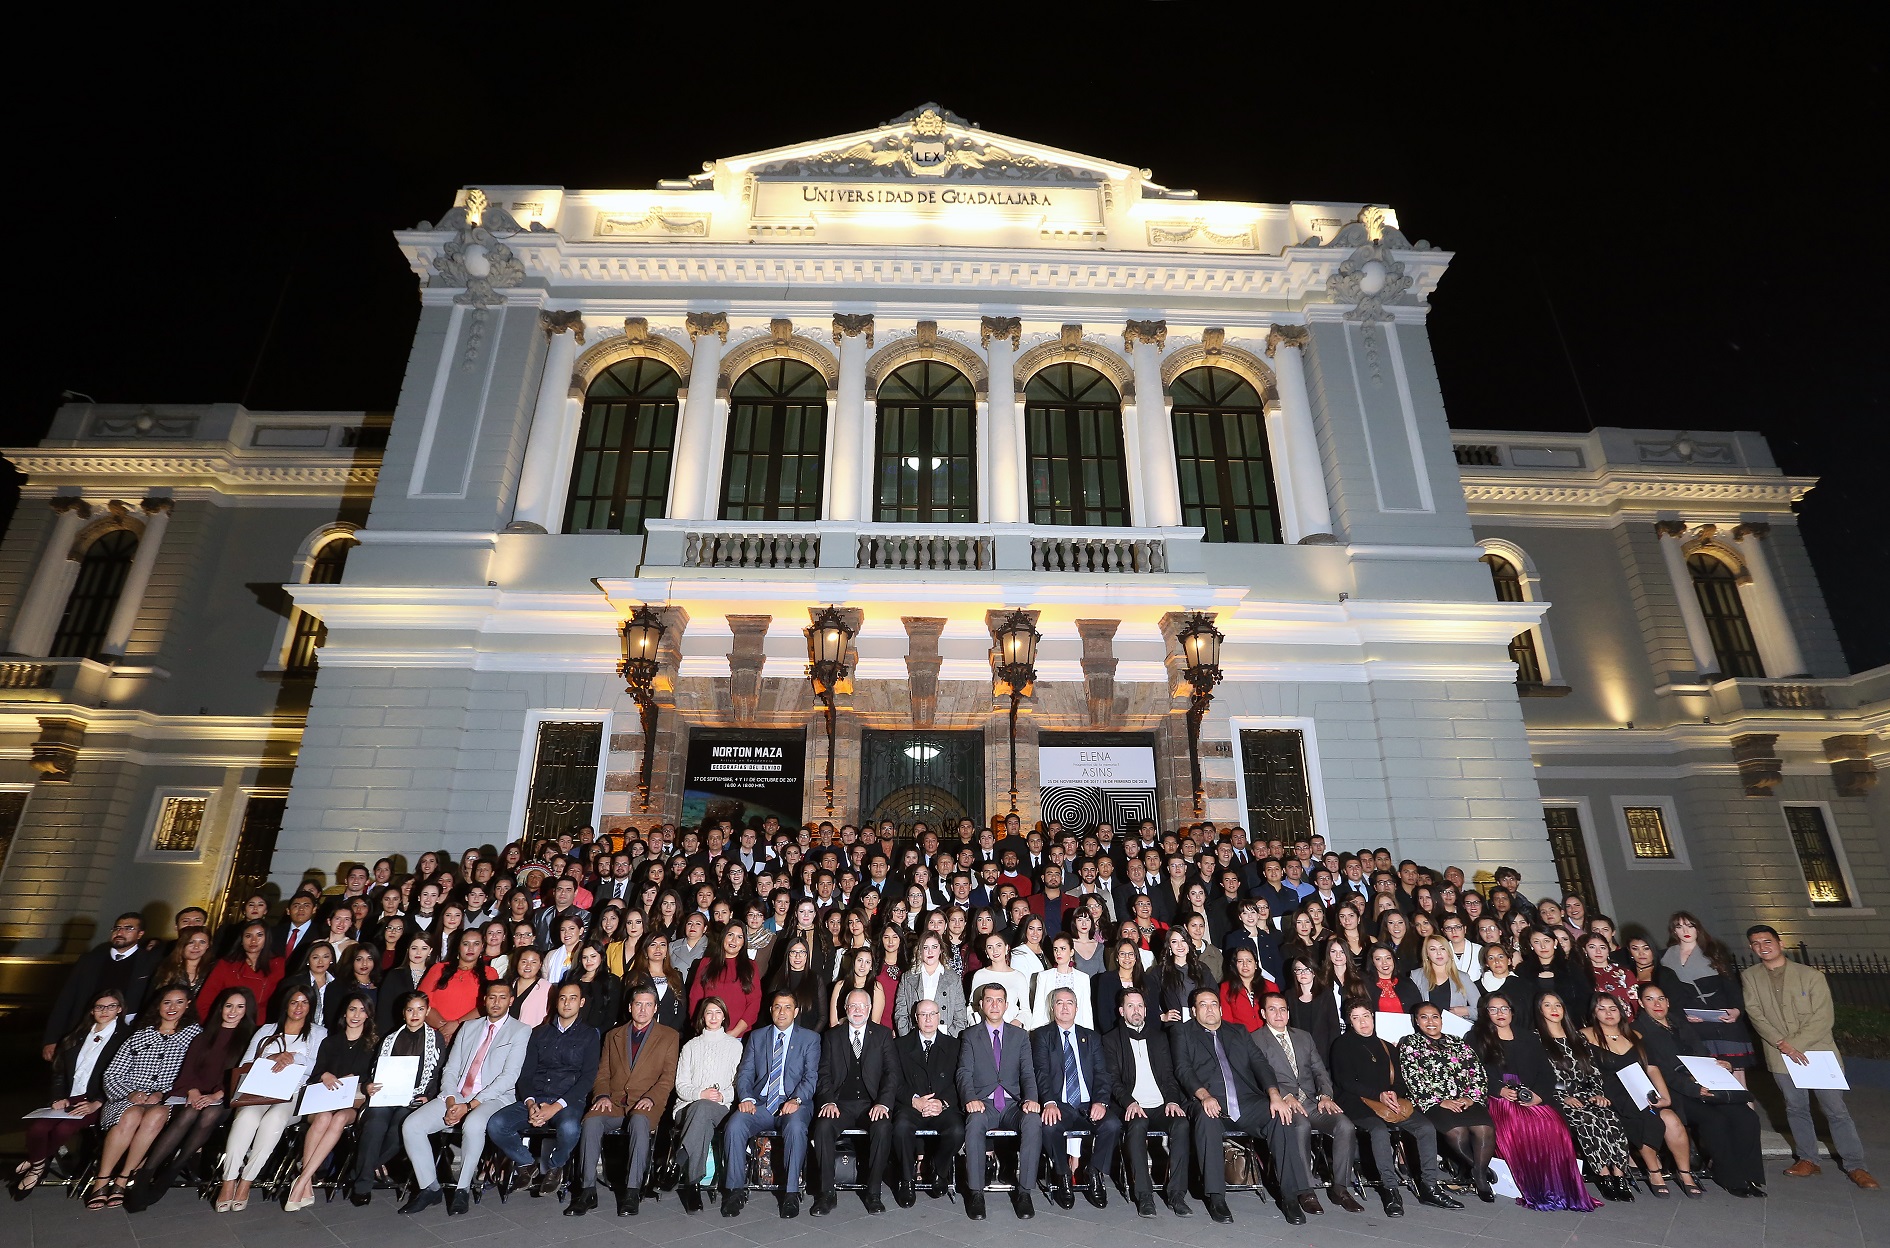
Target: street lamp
[1017, 640]
[1201, 659]
[827, 640]
[641, 634]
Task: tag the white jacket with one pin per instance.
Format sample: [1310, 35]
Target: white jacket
[708, 1061]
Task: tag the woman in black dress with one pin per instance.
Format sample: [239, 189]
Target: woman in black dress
[1365, 1070]
[1311, 1005]
[1647, 1126]
[1701, 980]
[1728, 1125]
[1543, 967]
[1583, 1099]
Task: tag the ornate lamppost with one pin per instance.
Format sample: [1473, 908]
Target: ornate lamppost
[1017, 640]
[827, 640]
[641, 634]
[1201, 658]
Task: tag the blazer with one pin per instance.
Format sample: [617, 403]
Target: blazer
[1802, 1019]
[559, 1065]
[1119, 1050]
[1305, 1075]
[950, 995]
[81, 987]
[1265, 949]
[1199, 1071]
[65, 1063]
[979, 1075]
[799, 1077]
[653, 1076]
[1046, 1044]
[499, 1074]
[929, 1074]
[879, 1064]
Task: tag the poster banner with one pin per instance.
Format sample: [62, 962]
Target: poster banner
[1085, 785]
[744, 775]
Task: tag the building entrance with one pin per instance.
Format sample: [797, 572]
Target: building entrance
[934, 777]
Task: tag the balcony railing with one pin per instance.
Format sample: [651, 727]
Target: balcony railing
[944, 548]
[1801, 698]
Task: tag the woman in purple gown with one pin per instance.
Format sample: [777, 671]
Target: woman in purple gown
[1530, 1135]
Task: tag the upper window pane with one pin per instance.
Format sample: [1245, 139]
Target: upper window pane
[620, 477]
[1221, 460]
[1718, 591]
[1073, 428]
[777, 437]
[94, 595]
[928, 453]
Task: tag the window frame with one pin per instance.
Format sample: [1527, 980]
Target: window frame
[528, 760]
[1309, 744]
[104, 625]
[1670, 820]
[1591, 841]
[1218, 458]
[1071, 412]
[1855, 904]
[627, 454]
[1720, 622]
[215, 812]
[1531, 583]
[776, 408]
[928, 413]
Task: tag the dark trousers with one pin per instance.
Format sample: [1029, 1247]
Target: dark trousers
[1209, 1133]
[853, 1116]
[907, 1122]
[1029, 1128]
[1291, 1149]
[377, 1141]
[1729, 1134]
[1104, 1134]
[1135, 1145]
[1422, 1133]
[46, 1136]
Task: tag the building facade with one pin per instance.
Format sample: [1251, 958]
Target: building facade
[895, 388]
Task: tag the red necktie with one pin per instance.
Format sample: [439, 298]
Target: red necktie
[288, 950]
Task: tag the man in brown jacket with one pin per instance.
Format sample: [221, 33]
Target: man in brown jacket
[1789, 1005]
[635, 1076]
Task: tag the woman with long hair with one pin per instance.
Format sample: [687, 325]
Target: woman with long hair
[1243, 989]
[1595, 956]
[1311, 1004]
[453, 987]
[1180, 973]
[930, 978]
[727, 971]
[79, 1063]
[1727, 1125]
[1617, 1046]
[655, 971]
[997, 969]
[1124, 973]
[531, 991]
[1449, 1087]
[1086, 940]
[892, 964]
[608, 936]
[796, 973]
[498, 938]
[347, 1051]
[1545, 968]
[1584, 1101]
[1394, 929]
[1531, 1136]
[254, 1131]
[137, 1083]
[1031, 956]
[378, 1139]
[416, 959]
[389, 939]
[1702, 980]
[1349, 928]
[756, 938]
[1339, 976]
[1438, 982]
[1061, 973]
[1643, 961]
[861, 968]
[248, 966]
[705, 1092]
[189, 964]
[666, 917]
[603, 992]
[516, 908]
[1387, 990]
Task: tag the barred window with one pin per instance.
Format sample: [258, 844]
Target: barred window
[1570, 850]
[94, 597]
[1647, 832]
[179, 825]
[564, 777]
[1718, 591]
[1817, 856]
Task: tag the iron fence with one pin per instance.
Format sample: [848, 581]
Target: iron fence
[1860, 980]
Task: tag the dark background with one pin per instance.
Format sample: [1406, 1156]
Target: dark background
[1653, 227]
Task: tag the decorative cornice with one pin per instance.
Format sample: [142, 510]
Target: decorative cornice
[1148, 333]
[554, 323]
[1286, 335]
[700, 323]
[845, 326]
[185, 468]
[990, 327]
[1490, 491]
[1670, 528]
[1069, 347]
[1751, 530]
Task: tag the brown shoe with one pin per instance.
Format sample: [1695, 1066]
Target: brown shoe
[1862, 1178]
[1344, 1200]
[1804, 1168]
[1310, 1203]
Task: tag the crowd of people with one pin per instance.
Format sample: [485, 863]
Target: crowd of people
[870, 1003]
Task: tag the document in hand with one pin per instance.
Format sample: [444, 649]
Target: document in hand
[1454, 1026]
[1392, 1028]
[1711, 1075]
[397, 1076]
[49, 1112]
[266, 1081]
[318, 1097]
[1639, 1087]
[1822, 1070]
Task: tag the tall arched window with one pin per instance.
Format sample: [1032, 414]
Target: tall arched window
[94, 595]
[310, 633]
[621, 477]
[777, 434]
[928, 445]
[1522, 647]
[1073, 421]
[1221, 457]
[1718, 590]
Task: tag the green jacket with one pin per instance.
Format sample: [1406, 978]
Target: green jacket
[1804, 1018]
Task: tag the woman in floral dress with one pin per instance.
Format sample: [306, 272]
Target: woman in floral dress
[1449, 1087]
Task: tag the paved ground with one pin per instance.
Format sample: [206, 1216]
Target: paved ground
[1823, 1212]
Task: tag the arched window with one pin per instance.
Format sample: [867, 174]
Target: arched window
[1221, 457]
[1078, 476]
[928, 446]
[94, 595]
[621, 477]
[777, 434]
[310, 633]
[1522, 647]
[1718, 590]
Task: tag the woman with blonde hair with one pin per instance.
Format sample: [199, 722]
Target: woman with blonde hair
[1438, 982]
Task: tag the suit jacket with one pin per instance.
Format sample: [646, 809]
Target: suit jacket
[929, 1074]
[1805, 1019]
[1046, 1044]
[950, 995]
[1197, 1068]
[653, 1076]
[82, 985]
[1266, 951]
[978, 1075]
[1118, 1049]
[800, 1075]
[1305, 1076]
[878, 1063]
[499, 1074]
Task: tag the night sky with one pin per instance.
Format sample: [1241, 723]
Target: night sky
[1652, 227]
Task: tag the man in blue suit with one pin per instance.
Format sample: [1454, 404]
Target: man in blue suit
[774, 1089]
[1073, 1078]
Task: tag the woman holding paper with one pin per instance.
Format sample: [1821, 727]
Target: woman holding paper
[1530, 1135]
[347, 1053]
[1698, 974]
[410, 1054]
[78, 1086]
[268, 1083]
[137, 1083]
[1438, 982]
[1645, 1110]
[1727, 1124]
[202, 1085]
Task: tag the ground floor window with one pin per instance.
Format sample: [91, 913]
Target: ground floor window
[1279, 799]
[1817, 856]
[564, 777]
[1647, 832]
[1570, 850]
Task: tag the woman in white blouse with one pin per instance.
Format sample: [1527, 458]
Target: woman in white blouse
[930, 979]
[256, 1128]
[564, 957]
[1061, 974]
[997, 970]
[705, 1091]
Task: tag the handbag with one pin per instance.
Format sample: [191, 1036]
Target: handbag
[241, 1099]
[1377, 1104]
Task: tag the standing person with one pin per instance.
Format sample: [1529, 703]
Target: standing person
[122, 963]
[1699, 977]
[1789, 1006]
[1149, 1098]
[857, 1090]
[1232, 1085]
[293, 1040]
[705, 1090]
[776, 1082]
[480, 1078]
[247, 965]
[137, 1083]
[398, 983]
[1077, 1086]
[379, 1136]
[455, 986]
[632, 1079]
[80, 1061]
[554, 1082]
[1307, 1092]
[997, 1084]
[929, 1101]
[1370, 1085]
[727, 971]
[930, 979]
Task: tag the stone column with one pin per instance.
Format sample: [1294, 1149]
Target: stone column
[538, 508]
[45, 598]
[1673, 534]
[1161, 504]
[852, 336]
[1310, 502]
[746, 658]
[1765, 605]
[922, 666]
[1099, 671]
[693, 493]
[157, 518]
[999, 335]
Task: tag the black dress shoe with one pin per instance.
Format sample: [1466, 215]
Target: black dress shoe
[1756, 1189]
[1486, 1194]
[459, 1202]
[1310, 1203]
[1145, 1204]
[690, 1194]
[904, 1195]
[1437, 1198]
[547, 1184]
[871, 1202]
[628, 1201]
[1178, 1205]
[1344, 1199]
[1394, 1203]
[583, 1200]
[1218, 1210]
[1020, 1204]
[974, 1206]
[823, 1205]
[359, 1199]
[521, 1176]
[1062, 1196]
[732, 1203]
[1097, 1193]
[790, 1204]
[1290, 1210]
[425, 1198]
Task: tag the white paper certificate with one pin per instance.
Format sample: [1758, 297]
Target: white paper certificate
[1639, 1087]
[318, 1097]
[1392, 1028]
[62, 1115]
[1711, 1075]
[397, 1076]
[1822, 1071]
[1454, 1026]
[265, 1080]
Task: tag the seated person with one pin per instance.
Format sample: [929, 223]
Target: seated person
[1074, 1079]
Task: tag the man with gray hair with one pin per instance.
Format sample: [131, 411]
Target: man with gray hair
[1076, 1083]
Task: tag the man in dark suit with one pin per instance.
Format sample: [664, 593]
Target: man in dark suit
[1074, 1079]
[928, 1088]
[1281, 898]
[1050, 903]
[774, 1090]
[1232, 1087]
[122, 962]
[563, 904]
[1306, 1088]
[859, 1087]
[1142, 1077]
[290, 939]
[997, 1084]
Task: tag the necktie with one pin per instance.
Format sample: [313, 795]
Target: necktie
[1072, 1087]
[856, 1046]
[1286, 1042]
[288, 948]
[776, 1069]
[1227, 1078]
[925, 1047]
[997, 1063]
[470, 1084]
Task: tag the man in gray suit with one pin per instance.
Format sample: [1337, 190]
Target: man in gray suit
[1306, 1090]
[997, 1083]
[479, 1080]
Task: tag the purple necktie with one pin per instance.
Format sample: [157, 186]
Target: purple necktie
[997, 1063]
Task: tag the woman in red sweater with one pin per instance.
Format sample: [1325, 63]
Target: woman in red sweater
[726, 971]
[1243, 988]
[248, 966]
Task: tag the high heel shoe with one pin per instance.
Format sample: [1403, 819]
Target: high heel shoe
[224, 1206]
[1658, 1186]
[99, 1191]
[1688, 1187]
